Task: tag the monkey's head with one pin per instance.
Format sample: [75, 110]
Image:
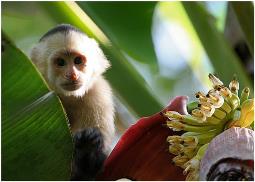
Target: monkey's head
[69, 60]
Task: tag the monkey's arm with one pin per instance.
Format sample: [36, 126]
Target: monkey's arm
[88, 156]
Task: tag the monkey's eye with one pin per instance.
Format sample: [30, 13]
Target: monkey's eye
[60, 62]
[78, 60]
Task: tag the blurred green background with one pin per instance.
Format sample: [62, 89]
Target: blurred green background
[158, 50]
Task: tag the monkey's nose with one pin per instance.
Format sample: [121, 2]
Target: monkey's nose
[73, 77]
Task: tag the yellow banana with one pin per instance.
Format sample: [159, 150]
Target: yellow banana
[215, 98]
[234, 86]
[201, 151]
[198, 114]
[207, 108]
[206, 137]
[248, 120]
[189, 151]
[234, 101]
[174, 139]
[215, 81]
[180, 160]
[226, 107]
[190, 133]
[178, 126]
[201, 97]
[175, 149]
[246, 116]
[193, 121]
[247, 106]
[192, 166]
[202, 137]
[245, 94]
[188, 119]
[224, 91]
[219, 114]
[192, 105]
[213, 120]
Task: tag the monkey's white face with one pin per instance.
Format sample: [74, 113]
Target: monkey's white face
[70, 73]
[70, 62]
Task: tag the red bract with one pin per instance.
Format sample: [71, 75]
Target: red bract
[142, 152]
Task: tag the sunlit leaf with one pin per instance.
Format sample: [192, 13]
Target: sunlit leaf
[36, 140]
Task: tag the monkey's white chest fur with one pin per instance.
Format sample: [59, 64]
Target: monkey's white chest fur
[94, 109]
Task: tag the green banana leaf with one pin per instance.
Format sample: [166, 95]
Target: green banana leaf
[222, 57]
[245, 15]
[125, 80]
[36, 140]
[127, 24]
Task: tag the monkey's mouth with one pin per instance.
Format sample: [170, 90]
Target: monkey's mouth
[71, 86]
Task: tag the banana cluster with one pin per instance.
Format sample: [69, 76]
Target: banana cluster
[219, 109]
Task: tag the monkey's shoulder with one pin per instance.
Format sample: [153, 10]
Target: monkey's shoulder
[100, 90]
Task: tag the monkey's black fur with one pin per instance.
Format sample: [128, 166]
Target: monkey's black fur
[63, 28]
[88, 156]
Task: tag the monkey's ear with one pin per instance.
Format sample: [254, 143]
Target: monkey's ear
[102, 62]
[33, 53]
[37, 59]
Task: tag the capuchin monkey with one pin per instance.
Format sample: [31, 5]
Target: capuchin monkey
[73, 64]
